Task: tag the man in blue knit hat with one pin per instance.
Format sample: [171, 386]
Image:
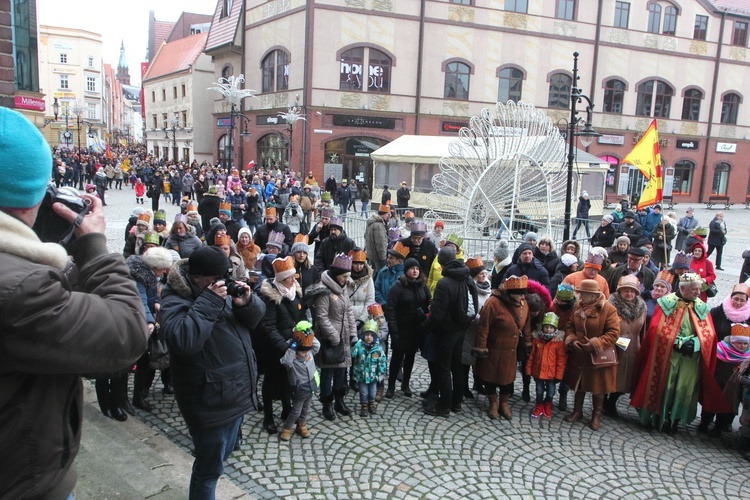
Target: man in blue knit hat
[52, 330]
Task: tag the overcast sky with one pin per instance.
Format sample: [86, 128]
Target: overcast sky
[118, 21]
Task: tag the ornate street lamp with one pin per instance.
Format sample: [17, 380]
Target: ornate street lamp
[230, 89]
[293, 115]
[587, 136]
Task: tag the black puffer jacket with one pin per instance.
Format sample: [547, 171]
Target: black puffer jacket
[549, 261]
[405, 311]
[450, 302]
[534, 270]
[264, 230]
[328, 248]
[213, 364]
[279, 320]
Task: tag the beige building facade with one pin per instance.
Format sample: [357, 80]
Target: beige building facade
[368, 71]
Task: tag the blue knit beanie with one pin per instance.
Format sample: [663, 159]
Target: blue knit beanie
[25, 161]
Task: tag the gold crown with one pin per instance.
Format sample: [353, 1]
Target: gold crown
[225, 206]
[516, 283]
[301, 238]
[281, 265]
[358, 255]
[222, 239]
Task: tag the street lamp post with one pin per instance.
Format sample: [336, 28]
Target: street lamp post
[293, 115]
[173, 122]
[234, 116]
[230, 89]
[55, 112]
[587, 135]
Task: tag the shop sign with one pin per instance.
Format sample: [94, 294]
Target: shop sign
[224, 122]
[364, 121]
[452, 127]
[687, 144]
[726, 147]
[618, 140]
[32, 103]
[270, 120]
[357, 148]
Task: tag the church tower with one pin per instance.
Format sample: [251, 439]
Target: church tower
[123, 76]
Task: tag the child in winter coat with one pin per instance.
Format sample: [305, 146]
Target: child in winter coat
[140, 188]
[303, 377]
[369, 364]
[546, 363]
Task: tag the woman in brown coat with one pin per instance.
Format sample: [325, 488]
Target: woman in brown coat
[504, 318]
[631, 310]
[595, 327]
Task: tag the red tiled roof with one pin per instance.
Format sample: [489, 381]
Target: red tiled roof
[223, 30]
[738, 6]
[176, 56]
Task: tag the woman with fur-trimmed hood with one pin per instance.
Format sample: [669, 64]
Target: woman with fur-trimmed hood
[631, 309]
[284, 309]
[361, 288]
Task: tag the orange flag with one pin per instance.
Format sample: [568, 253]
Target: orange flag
[645, 156]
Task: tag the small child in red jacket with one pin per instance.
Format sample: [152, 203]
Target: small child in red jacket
[546, 363]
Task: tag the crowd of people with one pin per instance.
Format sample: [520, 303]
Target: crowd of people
[256, 277]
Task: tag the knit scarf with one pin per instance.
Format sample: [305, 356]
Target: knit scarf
[726, 352]
[740, 315]
[288, 293]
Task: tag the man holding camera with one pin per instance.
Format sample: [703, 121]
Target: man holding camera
[54, 325]
[206, 323]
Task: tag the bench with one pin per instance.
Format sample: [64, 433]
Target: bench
[668, 202]
[610, 199]
[715, 200]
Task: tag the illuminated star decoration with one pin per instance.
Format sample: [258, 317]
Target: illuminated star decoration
[230, 89]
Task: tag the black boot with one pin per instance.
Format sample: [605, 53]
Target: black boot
[610, 405]
[139, 401]
[328, 412]
[340, 405]
[268, 423]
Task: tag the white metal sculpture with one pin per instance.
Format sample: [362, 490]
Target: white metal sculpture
[230, 89]
[505, 170]
[293, 114]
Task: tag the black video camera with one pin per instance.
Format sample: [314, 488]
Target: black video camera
[234, 289]
[52, 228]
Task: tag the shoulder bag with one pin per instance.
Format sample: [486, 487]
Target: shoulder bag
[604, 359]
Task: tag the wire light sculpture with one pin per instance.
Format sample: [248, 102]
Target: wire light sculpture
[505, 173]
[230, 89]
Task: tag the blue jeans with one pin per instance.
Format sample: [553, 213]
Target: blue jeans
[364, 207]
[212, 447]
[585, 224]
[541, 387]
[367, 391]
[331, 379]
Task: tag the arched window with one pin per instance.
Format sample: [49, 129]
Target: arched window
[559, 91]
[721, 179]
[614, 91]
[730, 107]
[654, 18]
[275, 71]
[510, 85]
[670, 20]
[226, 71]
[457, 76]
[654, 95]
[683, 177]
[225, 152]
[375, 78]
[691, 104]
[273, 149]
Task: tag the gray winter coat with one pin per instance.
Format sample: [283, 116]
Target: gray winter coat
[334, 317]
[376, 238]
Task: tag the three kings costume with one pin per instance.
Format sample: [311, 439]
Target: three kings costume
[670, 383]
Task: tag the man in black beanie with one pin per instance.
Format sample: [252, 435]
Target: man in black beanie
[451, 312]
[208, 335]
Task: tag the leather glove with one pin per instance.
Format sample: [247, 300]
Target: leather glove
[687, 348]
[587, 347]
[479, 353]
[359, 323]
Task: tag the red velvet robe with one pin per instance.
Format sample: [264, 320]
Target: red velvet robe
[653, 362]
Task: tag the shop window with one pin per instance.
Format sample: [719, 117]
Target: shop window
[273, 151]
[721, 179]
[225, 151]
[611, 178]
[352, 75]
[683, 177]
